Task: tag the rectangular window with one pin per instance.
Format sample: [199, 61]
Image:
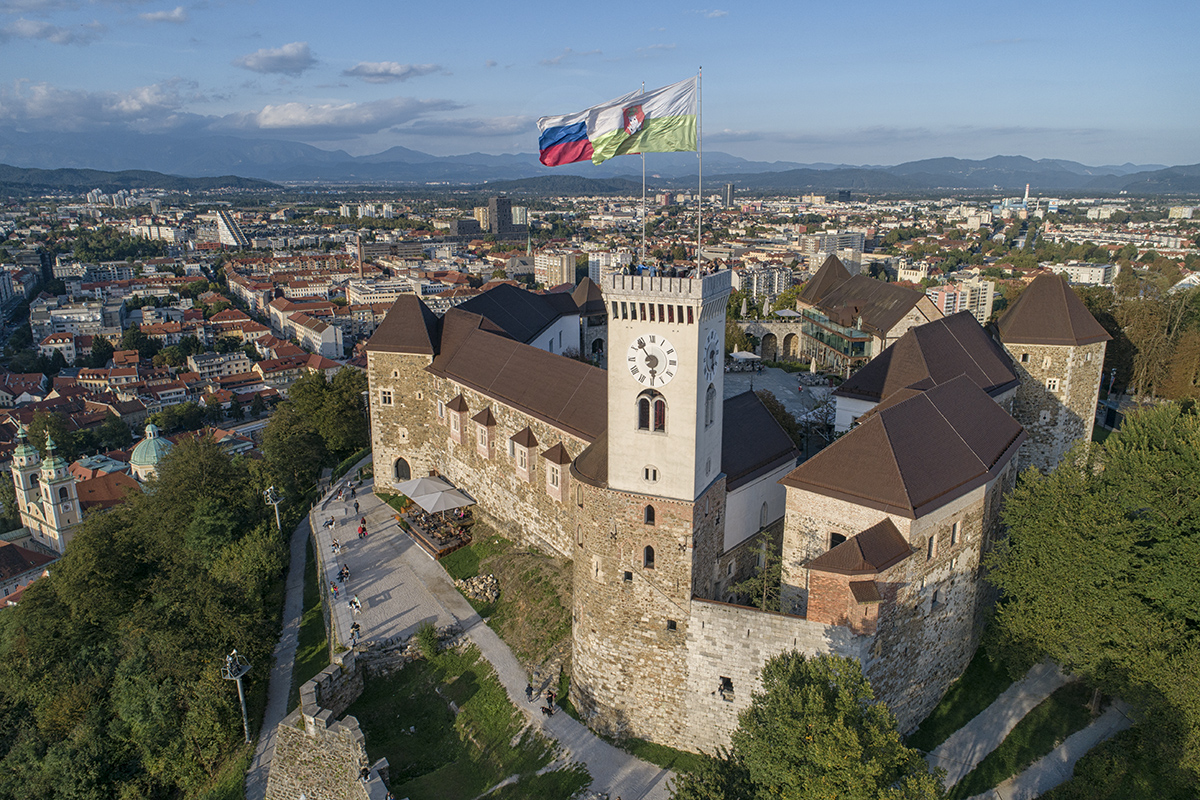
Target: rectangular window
[616, 310]
[642, 309]
[1024, 358]
[932, 548]
[624, 310]
[441, 410]
[954, 529]
[1052, 384]
[661, 318]
[652, 312]
[1046, 362]
[512, 449]
[481, 433]
[385, 397]
[679, 314]
[522, 459]
[689, 308]
[628, 577]
[670, 313]
[671, 625]
[553, 476]
[454, 422]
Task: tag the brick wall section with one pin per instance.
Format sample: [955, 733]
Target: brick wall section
[728, 641]
[1055, 420]
[525, 510]
[831, 602]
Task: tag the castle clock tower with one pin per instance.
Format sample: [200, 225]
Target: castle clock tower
[649, 503]
[666, 382]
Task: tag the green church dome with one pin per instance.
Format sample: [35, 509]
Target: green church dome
[150, 451]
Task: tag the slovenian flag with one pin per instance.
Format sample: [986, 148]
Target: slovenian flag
[661, 121]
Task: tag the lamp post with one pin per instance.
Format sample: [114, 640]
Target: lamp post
[273, 498]
[236, 666]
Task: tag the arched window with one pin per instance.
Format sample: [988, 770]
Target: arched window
[710, 406]
[762, 516]
[651, 412]
[648, 557]
[401, 471]
[62, 494]
[648, 515]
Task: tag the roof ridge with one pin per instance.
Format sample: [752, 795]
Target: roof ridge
[892, 452]
[950, 425]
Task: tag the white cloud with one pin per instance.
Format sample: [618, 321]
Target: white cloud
[145, 108]
[389, 71]
[291, 59]
[654, 48]
[473, 127]
[710, 13]
[179, 16]
[34, 29]
[328, 121]
[568, 53]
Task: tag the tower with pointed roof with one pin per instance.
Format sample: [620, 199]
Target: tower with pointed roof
[1057, 348]
[47, 500]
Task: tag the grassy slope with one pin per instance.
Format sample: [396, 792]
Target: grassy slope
[979, 685]
[450, 756]
[1044, 728]
[312, 649]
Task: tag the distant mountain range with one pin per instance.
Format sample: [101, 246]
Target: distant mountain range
[18, 181]
[218, 157]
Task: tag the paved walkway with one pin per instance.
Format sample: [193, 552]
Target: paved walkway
[967, 746]
[784, 385]
[280, 684]
[1058, 765]
[400, 586]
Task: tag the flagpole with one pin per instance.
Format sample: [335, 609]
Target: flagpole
[700, 156]
[643, 261]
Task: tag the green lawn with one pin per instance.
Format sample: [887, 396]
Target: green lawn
[1127, 767]
[979, 685]
[1044, 728]
[312, 650]
[434, 753]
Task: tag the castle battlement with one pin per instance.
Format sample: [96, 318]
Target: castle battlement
[678, 288]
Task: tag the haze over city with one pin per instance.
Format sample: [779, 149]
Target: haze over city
[868, 83]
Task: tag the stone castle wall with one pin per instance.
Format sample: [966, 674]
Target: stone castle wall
[733, 642]
[630, 619]
[1055, 418]
[518, 503]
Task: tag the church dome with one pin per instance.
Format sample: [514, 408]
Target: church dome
[149, 452]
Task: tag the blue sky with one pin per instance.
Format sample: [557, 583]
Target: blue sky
[864, 83]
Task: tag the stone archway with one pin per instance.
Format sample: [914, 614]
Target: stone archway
[401, 471]
[769, 349]
[598, 347]
[791, 347]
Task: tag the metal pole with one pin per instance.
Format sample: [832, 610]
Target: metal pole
[242, 700]
[700, 157]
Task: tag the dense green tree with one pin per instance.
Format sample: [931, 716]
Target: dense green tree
[10, 517]
[294, 451]
[235, 410]
[814, 731]
[55, 424]
[102, 352]
[257, 406]
[113, 433]
[1098, 571]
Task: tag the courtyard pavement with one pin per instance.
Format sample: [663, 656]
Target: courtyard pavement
[401, 586]
[784, 385]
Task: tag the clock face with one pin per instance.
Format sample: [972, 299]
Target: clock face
[712, 355]
[652, 360]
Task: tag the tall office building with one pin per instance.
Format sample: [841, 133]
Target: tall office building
[729, 195]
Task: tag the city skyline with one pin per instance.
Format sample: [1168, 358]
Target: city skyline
[874, 84]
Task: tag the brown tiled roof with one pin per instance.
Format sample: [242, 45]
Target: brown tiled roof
[588, 298]
[879, 305]
[865, 592]
[1049, 312]
[524, 438]
[565, 393]
[106, 491]
[872, 551]
[831, 275]
[557, 455]
[752, 442]
[917, 455]
[484, 417]
[934, 353]
[457, 405]
[520, 314]
[591, 466]
[16, 560]
[410, 327]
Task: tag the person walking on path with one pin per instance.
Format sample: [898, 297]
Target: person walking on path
[355, 506]
[333, 588]
[529, 692]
